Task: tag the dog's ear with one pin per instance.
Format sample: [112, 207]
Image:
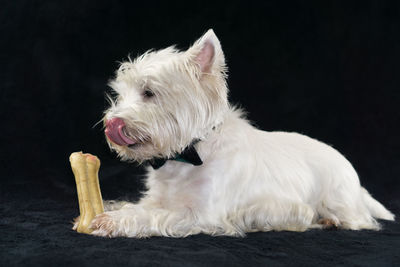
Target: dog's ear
[207, 53]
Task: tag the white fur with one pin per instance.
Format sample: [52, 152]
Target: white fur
[250, 180]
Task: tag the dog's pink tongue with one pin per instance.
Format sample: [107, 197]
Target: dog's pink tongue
[115, 132]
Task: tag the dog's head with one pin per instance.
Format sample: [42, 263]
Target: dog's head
[165, 99]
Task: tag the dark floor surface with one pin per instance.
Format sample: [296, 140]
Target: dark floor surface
[35, 230]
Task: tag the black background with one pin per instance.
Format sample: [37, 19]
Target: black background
[326, 69]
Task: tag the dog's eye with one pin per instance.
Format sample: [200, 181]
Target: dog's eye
[148, 93]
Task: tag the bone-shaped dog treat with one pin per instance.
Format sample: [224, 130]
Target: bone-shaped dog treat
[85, 168]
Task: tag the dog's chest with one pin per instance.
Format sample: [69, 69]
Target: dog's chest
[183, 185]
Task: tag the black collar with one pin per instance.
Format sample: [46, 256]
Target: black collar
[188, 155]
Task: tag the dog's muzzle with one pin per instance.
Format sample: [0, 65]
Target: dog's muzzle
[115, 131]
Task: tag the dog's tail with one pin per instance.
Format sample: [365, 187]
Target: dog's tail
[376, 209]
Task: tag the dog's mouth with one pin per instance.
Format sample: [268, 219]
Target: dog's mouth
[117, 133]
[139, 141]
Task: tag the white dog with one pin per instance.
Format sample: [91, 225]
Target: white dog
[212, 172]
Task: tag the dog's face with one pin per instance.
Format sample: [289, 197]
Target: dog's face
[166, 99]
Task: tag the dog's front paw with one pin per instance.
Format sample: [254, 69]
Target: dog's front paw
[104, 225]
[75, 223]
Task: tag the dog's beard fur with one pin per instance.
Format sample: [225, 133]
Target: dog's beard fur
[250, 180]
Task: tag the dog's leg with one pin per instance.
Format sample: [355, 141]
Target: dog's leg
[267, 214]
[143, 221]
[108, 205]
[346, 209]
